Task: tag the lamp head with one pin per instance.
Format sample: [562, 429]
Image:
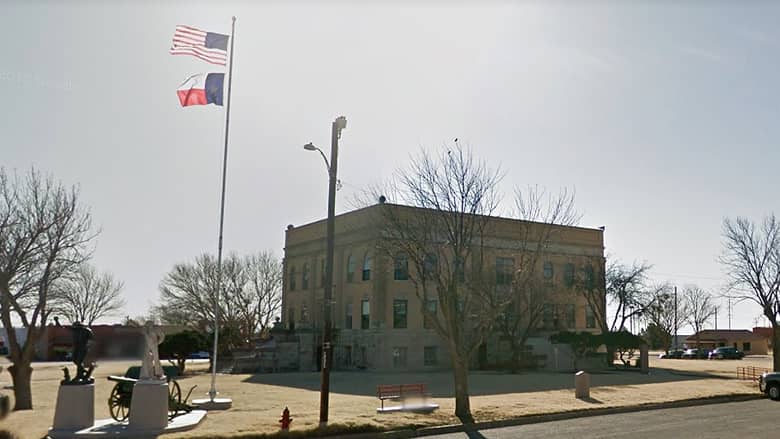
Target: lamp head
[309, 147]
[341, 123]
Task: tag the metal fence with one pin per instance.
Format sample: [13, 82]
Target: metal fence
[750, 372]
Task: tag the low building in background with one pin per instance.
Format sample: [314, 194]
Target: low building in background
[746, 341]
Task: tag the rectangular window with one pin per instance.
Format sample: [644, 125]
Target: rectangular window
[401, 271]
[430, 355]
[568, 274]
[548, 270]
[367, 262]
[350, 268]
[505, 267]
[291, 280]
[590, 318]
[590, 277]
[348, 317]
[547, 316]
[746, 346]
[322, 273]
[432, 306]
[569, 318]
[305, 277]
[365, 313]
[429, 265]
[399, 357]
[399, 313]
[291, 317]
[460, 269]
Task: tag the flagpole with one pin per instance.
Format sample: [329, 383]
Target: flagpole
[213, 389]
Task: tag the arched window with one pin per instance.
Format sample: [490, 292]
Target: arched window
[350, 268]
[292, 278]
[367, 267]
[305, 277]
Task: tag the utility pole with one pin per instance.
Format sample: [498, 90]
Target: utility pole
[339, 124]
[729, 312]
[675, 317]
[717, 308]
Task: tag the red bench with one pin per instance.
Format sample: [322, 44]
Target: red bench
[401, 392]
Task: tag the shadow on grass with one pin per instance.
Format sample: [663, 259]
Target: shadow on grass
[591, 400]
[440, 383]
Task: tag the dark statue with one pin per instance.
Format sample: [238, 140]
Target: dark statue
[82, 335]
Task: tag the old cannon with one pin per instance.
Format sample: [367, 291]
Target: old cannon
[122, 393]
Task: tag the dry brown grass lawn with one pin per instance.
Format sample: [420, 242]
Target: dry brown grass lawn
[258, 400]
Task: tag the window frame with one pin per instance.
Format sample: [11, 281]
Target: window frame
[367, 266]
[568, 274]
[305, 276]
[400, 318]
[350, 268]
[548, 270]
[427, 357]
[504, 270]
[427, 324]
[365, 314]
[401, 267]
[291, 281]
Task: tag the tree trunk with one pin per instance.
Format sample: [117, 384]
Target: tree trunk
[514, 365]
[462, 405]
[776, 347]
[21, 376]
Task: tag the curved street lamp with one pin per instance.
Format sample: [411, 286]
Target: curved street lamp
[338, 125]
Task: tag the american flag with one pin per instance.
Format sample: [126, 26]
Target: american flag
[208, 46]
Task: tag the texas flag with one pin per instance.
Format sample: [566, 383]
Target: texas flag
[202, 89]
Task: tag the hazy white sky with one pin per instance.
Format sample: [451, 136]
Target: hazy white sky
[662, 115]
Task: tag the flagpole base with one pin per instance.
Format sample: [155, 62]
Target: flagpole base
[213, 404]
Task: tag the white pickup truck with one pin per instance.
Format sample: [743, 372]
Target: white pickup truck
[769, 383]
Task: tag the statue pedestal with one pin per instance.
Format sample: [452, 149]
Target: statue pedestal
[149, 406]
[75, 408]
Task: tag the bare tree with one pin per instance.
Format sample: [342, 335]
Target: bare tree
[542, 214]
[265, 284]
[629, 292]
[44, 236]
[700, 307]
[751, 258]
[250, 296]
[664, 317]
[87, 295]
[451, 199]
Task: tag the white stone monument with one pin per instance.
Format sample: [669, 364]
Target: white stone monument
[149, 406]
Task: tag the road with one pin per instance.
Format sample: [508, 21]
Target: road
[749, 419]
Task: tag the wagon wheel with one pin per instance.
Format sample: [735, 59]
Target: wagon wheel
[174, 398]
[118, 405]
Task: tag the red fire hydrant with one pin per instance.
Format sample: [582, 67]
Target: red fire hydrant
[286, 419]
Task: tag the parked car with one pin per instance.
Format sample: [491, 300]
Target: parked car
[674, 353]
[202, 355]
[726, 352]
[694, 353]
[769, 383]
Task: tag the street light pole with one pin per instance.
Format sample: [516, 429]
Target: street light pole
[675, 317]
[339, 124]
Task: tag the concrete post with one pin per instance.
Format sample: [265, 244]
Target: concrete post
[582, 385]
[644, 359]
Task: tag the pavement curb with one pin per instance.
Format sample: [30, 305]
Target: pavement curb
[558, 416]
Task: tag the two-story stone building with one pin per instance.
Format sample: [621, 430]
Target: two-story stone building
[377, 316]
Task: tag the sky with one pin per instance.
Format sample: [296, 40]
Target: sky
[661, 115]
